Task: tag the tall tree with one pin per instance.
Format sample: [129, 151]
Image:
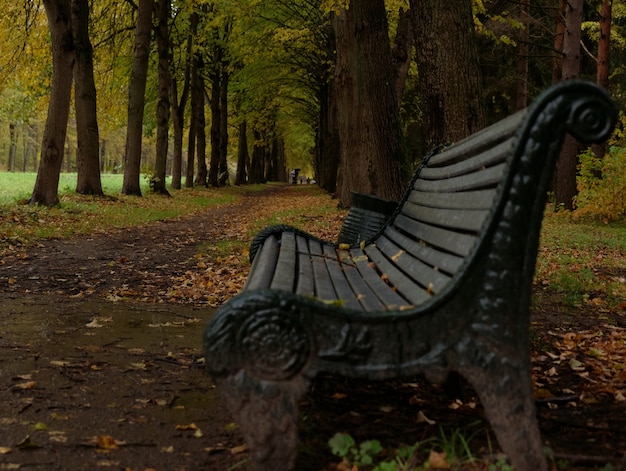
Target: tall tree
[199, 121]
[179, 105]
[565, 176]
[88, 137]
[369, 125]
[521, 95]
[136, 98]
[449, 74]
[604, 54]
[163, 106]
[45, 191]
[604, 43]
[243, 157]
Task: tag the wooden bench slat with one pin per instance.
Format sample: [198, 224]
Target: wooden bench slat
[430, 279]
[405, 286]
[453, 242]
[263, 265]
[461, 219]
[305, 285]
[384, 292]
[445, 262]
[479, 141]
[364, 294]
[345, 294]
[488, 158]
[481, 199]
[475, 181]
[324, 289]
[284, 275]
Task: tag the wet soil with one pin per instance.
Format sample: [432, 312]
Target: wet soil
[90, 380]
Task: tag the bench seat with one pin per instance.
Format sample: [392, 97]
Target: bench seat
[444, 285]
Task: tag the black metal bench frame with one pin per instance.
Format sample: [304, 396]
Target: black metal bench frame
[470, 222]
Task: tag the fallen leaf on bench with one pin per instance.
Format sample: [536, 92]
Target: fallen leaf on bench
[4, 450]
[397, 256]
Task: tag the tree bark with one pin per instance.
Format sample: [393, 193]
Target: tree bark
[604, 55]
[565, 176]
[368, 116]
[521, 95]
[241, 175]
[257, 164]
[136, 98]
[216, 116]
[12, 147]
[197, 108]
[401, 52]
[45, 191]
[559, 37]
[88, 137]
[604, 43]
[178, 107]
[449, 73]
[163, 105]
[223, 176]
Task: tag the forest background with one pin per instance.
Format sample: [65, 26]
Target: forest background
[209, 92]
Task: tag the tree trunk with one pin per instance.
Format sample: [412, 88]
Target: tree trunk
[222, 178]
[191, 151]
[368, 115]
[401, 52]
[449, 79]
[243, 157]
[215, 118]
[604, 49]
[327, 149]
[521, 95]
[46, 187]
[12, 147]
[88, 147]
[559, 37]
[197, 106]
[136, 98]
[178, 107]
[163, 105]
[257, 164]
[604, 43]
[565, 176]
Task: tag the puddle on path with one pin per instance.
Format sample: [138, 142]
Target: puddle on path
[75, 371]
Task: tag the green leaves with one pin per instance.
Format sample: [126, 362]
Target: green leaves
[344, 446]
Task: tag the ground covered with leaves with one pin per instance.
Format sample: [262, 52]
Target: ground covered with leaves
[101, 365]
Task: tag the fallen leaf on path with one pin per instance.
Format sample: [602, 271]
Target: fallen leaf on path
[421, 418]
[438, 460]
[236, 450]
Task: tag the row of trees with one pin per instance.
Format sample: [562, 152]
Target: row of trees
[356, 89]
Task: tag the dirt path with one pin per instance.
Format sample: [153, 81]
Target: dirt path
[91, 380]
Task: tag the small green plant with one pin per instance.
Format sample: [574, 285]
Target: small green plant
[344, 446]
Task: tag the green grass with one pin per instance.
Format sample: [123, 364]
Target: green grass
[19, 186]
[22, 224]
[582, 260]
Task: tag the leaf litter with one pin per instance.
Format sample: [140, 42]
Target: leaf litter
[200, 261]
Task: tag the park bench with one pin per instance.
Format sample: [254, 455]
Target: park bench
[443, 286]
